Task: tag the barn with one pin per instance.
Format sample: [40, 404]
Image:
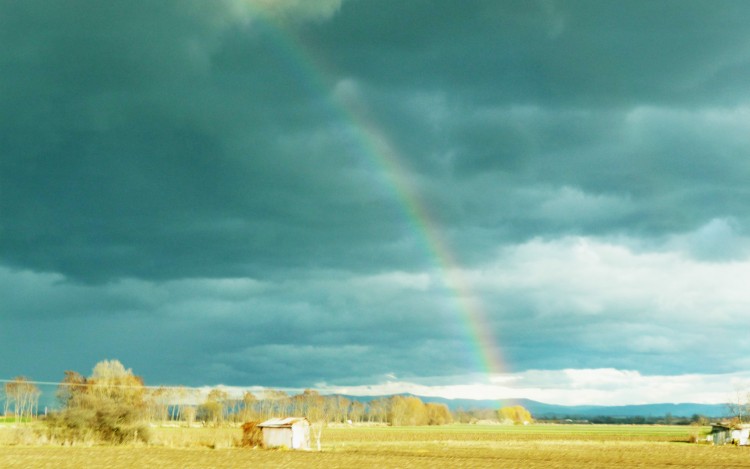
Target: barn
[290, 432]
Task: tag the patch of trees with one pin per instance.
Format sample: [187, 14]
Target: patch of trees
[109, 406]
[410, 410]
[393, 410]
[667, 419]
[475, 415]
[21, 398]
[517, 415]
[114, 406]
[640, 420]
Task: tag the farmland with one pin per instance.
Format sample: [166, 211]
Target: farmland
[536, 446]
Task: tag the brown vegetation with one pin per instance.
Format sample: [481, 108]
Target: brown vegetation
[107, 407]
[252, 435]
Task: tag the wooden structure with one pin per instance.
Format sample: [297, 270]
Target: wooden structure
[290, 432]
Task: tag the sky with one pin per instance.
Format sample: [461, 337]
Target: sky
[476, 198]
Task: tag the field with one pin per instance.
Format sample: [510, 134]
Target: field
[469, 446]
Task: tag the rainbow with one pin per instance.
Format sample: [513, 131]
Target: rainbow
[311, 72]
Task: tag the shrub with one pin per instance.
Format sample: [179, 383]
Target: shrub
[252, 435]
[70, 425]
[110, 422]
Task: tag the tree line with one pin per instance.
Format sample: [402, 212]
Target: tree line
[113, 404]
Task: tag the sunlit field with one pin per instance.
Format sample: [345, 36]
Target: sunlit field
[536, 446]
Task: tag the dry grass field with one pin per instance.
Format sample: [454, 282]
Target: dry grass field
[469, 446]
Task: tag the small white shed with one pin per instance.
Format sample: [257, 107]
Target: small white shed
[728, 434]
[291, 432]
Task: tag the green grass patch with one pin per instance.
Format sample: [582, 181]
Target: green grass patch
[535, 432]
[12, 419]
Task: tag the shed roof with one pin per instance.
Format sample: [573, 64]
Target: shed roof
[717, 427]
[283, 423]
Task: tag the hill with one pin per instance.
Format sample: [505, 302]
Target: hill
[543, 410]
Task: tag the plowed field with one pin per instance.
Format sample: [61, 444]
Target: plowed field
[469, 446]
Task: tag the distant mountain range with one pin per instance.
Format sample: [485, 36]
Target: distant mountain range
[542, 410]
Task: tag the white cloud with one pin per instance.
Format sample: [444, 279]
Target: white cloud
[584, 275]
[601, 386]
[621, 306]
[395, 281]
[604, 386]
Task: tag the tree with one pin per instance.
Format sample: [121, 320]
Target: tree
[697, 419]
[357, 411]
[316, 411]
[274, 403]
[213, 409]
[516, 414]
[739, 407]
[438, 414]
[189, 413]
[183, 404]
[416, 411]
[109, 405]
[407, 410]
[397, 409]
[71, 389]
[338, 408]
[23, 396]
[248, 407]
[378, 410]
[158, 402]
[110, 380]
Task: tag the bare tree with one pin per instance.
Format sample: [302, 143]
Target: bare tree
[357, 411]
[378, 410]
[71, 389]
[339, 408]
[158, 402]
[6, 402]
[739, 406]
[180, 398]
[23, 396]
[111, 381]
[316, 411]
[248, 406]
[274, 403]
[214, 408]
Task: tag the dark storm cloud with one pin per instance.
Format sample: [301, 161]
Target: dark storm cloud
[628, 102]
[236, 331]
[131, 148]
[579, 53]
[194, 174]
[162, 141]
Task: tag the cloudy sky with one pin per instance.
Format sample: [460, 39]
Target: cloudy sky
[476, 198]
